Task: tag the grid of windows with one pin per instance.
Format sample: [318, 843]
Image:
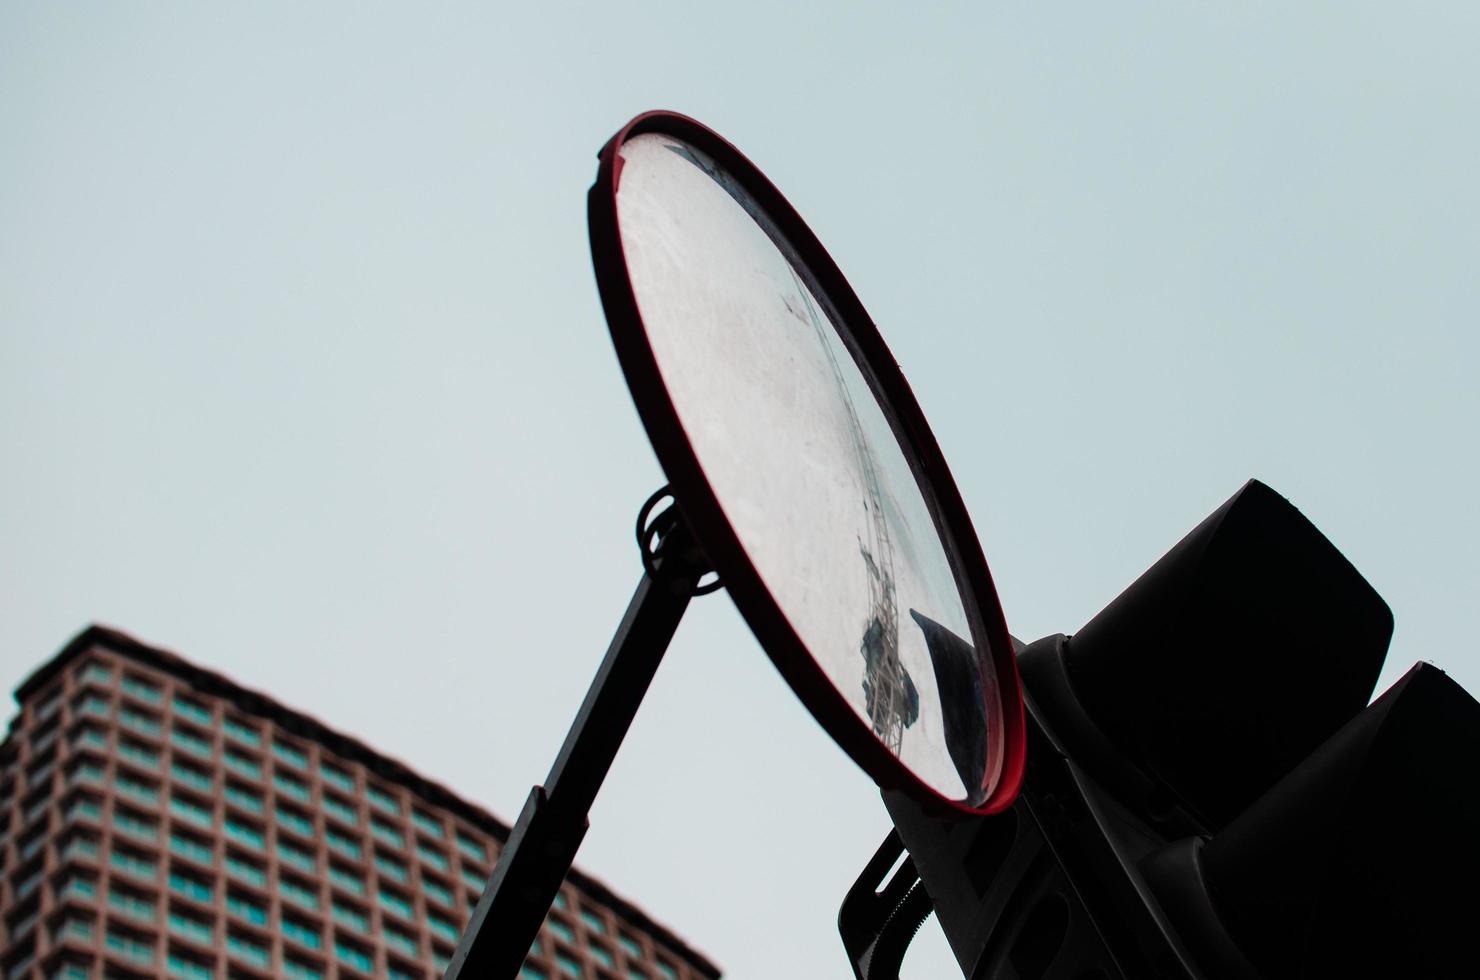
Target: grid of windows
[193, 828]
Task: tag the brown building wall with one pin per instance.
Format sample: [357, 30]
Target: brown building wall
[158, 820]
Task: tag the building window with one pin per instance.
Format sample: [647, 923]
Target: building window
[427, 823]
[244, 834]
[33, 846]
[347, 880]
[79, 846]
[294, 821]
[132, 863]
[79, 809]
[392, 902]
[141, 792]
[195, 712]
[139, 722]
[130, 903]
[302, 933]
[192, 812]
[560, 929]
[471, 847]
[139, 754]
[291, 787]
[401, 942]
[434, 890]
[337, 778]
[342, 844]
[443, 928]
[28, 884]
[130, 947]
[302, 860]
[192, 848]
[345, 915]
[85, 772]
[242, 764]
[432, 857]
[382, 799]
[135, 824]
[141, 689]
[353, 956]
[49, 707]
[191, 742]
[245, 870]
[247, 951]
[593, 921]
[240, 796]
[89, 737]
[386, 832]
[191, 928]
[299, 893]
[294, 970]
[190, 886]
[96, 673]
[394, 870]
[288, 754]
[187, 968]
[40, 774]
[81, 887]
[44, 737]
[192, 777]
[96, 706]
[341, 811]
[242, 732]
[246, 909]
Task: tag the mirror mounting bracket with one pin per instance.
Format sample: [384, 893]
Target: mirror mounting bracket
[541, 847]
[879, 918]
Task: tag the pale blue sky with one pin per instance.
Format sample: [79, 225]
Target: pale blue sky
[303, 372]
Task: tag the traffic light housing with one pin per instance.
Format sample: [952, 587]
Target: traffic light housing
[1208, 793]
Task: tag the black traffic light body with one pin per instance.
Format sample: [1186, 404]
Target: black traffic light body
[1208, 793]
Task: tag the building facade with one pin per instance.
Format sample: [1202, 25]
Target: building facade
[158, 820]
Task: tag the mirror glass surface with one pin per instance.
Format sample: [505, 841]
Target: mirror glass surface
[800, 453]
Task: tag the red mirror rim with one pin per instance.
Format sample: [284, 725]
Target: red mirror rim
[701, 508]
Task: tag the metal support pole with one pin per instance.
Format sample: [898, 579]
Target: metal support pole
[543, 843]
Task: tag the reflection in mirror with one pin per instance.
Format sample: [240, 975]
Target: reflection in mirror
[958, 678]
[807, 469]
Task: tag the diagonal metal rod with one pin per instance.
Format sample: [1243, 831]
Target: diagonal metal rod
[543, 844]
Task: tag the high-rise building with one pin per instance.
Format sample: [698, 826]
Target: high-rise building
[159, 820]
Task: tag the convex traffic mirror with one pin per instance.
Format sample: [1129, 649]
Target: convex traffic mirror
[803, 465]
